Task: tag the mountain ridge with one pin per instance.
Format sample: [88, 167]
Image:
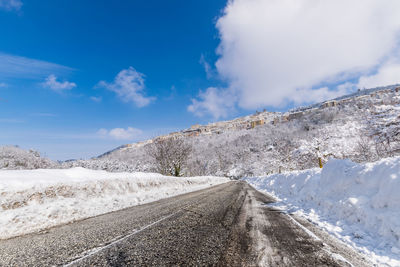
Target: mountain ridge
[252, 120]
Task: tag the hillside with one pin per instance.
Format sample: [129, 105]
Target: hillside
[363, 126]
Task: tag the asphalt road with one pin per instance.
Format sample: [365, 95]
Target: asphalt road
[226, 225]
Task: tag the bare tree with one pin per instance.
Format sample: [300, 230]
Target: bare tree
[170, 155]
[198, 167]
[363, 149]
[383, 146]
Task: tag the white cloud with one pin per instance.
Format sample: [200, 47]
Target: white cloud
[52, 83]
[215, 101]
[318, 95]
[27, 68]
[210, 72]
[271, 51]
[120, 133]
[172, 94]
[11, 4]
[96, 98]
[129, 86]
[387, 74]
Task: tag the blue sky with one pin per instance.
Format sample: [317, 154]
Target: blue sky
[78, 78]
[86, 44]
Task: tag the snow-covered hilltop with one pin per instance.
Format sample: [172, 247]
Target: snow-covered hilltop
[363, 126]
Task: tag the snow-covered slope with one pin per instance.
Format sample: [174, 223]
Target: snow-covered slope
[363, 127]
[359, 203]
[33, 200]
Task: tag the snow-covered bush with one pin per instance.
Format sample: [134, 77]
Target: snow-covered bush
[13, 157]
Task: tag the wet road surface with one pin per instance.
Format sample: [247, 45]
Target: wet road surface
[225, 225]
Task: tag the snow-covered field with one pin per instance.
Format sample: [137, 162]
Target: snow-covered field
[359, 203]
[32, 200]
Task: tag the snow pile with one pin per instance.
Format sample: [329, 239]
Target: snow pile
[32, 200]
[359, 203]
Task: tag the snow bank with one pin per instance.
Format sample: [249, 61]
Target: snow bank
[359, 203]
[32, 200]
